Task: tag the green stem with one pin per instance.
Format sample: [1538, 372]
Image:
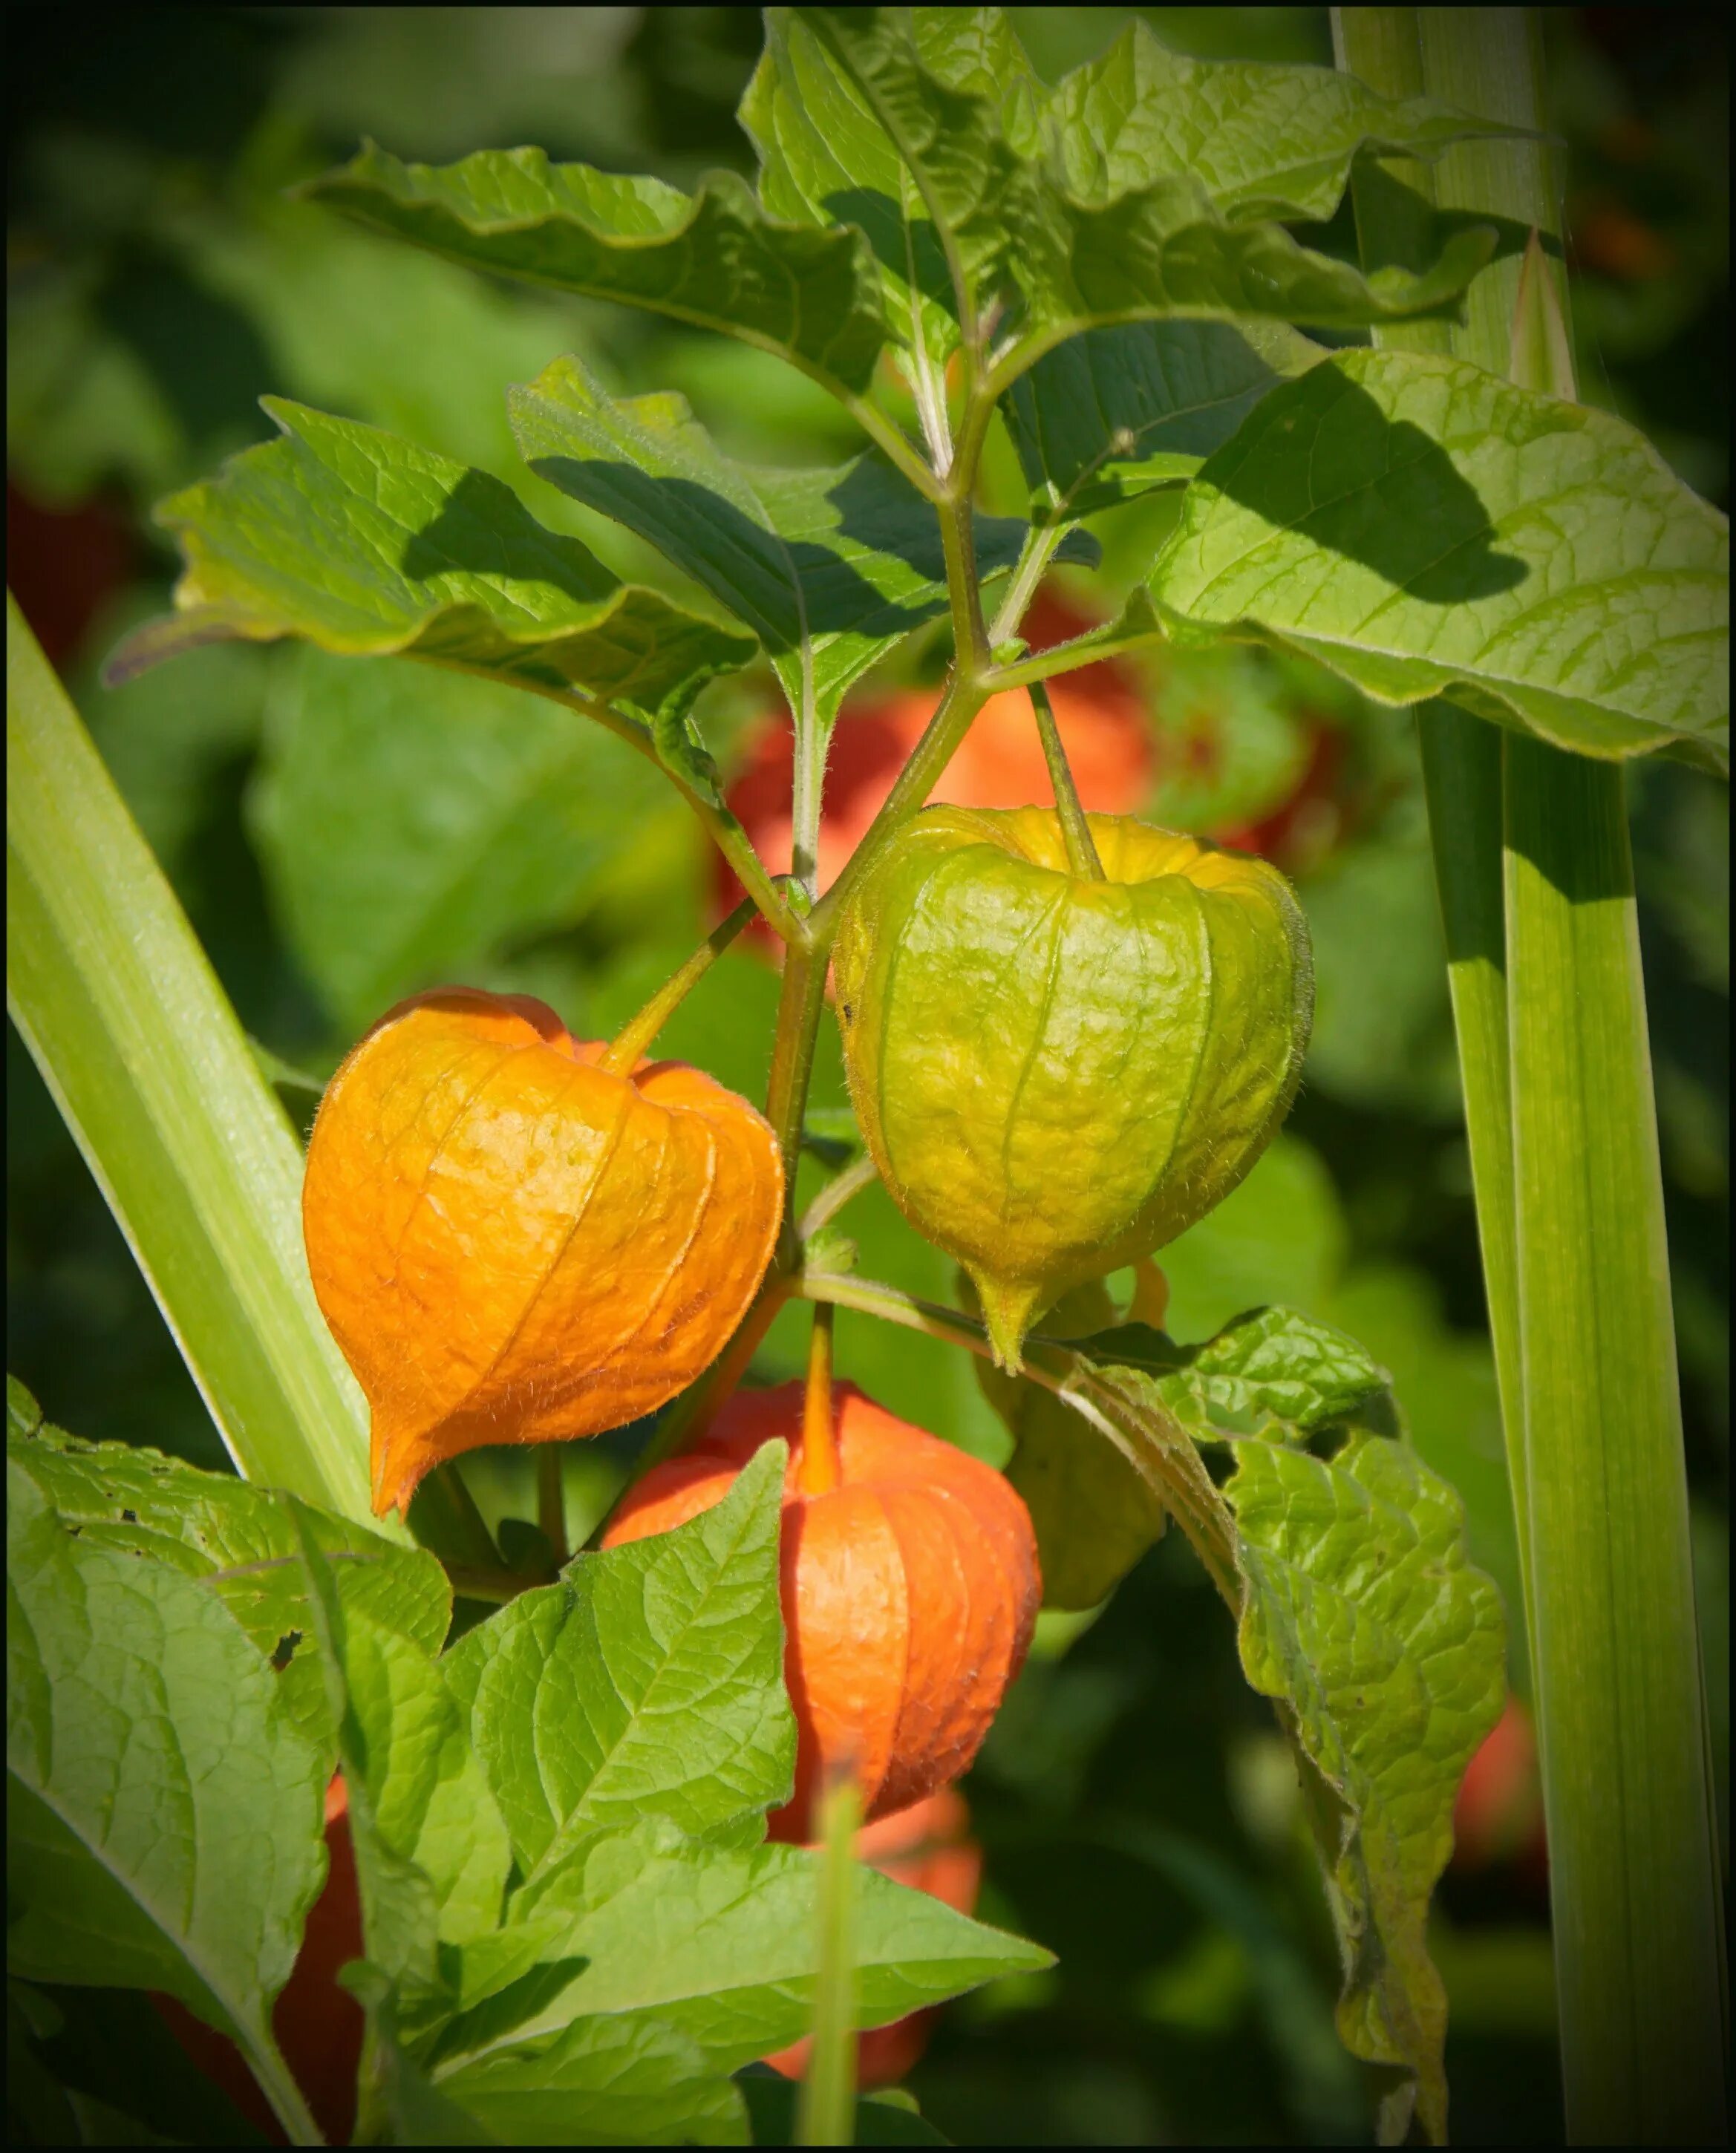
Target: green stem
[1395, 203]
[826, 2112]
[1599, 1476]
[638, 1034]
[801, 1004]
[152, 1073]
[836, 1194]
[445, 1520]
[1633, 1874]
[1081, 851]
[1462, 779]
[276, 2081]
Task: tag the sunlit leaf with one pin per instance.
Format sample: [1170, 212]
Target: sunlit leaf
[1386, 1652]
[1109, 414]
[238, 1540]
[604, 2082]
[164, 1814]
[714, 258]
[722, 1943]
[648, 1683]
[829, 567]
[1272, 1372]
[1423, 528]
[365, 544]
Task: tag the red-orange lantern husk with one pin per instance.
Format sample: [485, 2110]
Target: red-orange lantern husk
[910, 1590]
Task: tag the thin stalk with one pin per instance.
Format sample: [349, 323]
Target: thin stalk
[836, 1194]
[552, 1499]
[819, 1470]
[1081, 851]
[826, 2112]
[638, 1034]
[276, 2082]
[1035, 555]
[801, 1004]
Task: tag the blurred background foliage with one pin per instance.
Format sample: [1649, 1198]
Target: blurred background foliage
[344, 833]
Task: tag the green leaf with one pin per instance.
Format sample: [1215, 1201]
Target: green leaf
[410, 822]
[398, 2103]
[1111, 414]
[714, 258]
[721, 1942]
[829, 567]
[887, 128]
[1263, 140]
[1127, 193]
[648, 1683]
[386, 1702]
[1386, 1652]
[117, 1002]
[240, 1542]
[1423, 527]
[1271, 1373]
[368, 545]
[164, 1815]
[603, 2082]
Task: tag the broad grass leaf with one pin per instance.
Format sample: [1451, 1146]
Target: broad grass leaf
[829, 567]
[1424, 527]
[364, 544]
[604, 2082]
[1385, 1653]
[715, 258]
[722, 1943]
[164, 1813]
[649, 1681]
[239, 1543]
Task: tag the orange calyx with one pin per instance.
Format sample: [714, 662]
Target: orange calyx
[910, 1590]
[513, 1243]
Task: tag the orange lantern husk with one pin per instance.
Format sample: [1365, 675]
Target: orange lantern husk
[513, 1244]
[910, 1591]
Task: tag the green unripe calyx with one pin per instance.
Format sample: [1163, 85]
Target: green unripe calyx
[1056, 1075]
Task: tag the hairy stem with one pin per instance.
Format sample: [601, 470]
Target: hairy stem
[836, 1194]
[1081, 851]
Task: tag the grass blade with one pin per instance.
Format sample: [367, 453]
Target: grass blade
[114, 998]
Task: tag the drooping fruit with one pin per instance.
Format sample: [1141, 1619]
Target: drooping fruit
[910, 1589]
[513, 1244]
[927, 1847]
[1054, 1074]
